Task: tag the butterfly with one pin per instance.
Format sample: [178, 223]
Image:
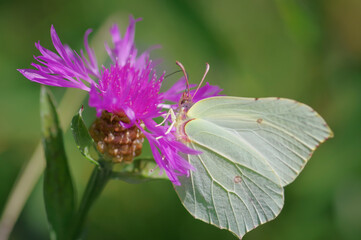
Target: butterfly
[251, 149]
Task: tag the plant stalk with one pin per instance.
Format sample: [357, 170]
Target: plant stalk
[96, 184]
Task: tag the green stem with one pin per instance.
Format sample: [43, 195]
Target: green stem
[96, 184]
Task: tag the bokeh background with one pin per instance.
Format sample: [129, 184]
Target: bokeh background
[305, 50]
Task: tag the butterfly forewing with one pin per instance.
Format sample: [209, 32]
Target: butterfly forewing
[283, 131]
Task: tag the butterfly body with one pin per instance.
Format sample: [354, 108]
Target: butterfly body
[185, 103]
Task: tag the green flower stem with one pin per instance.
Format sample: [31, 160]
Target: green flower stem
[99, 178]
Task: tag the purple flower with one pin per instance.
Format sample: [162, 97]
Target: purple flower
[174, 93]
[129, 86]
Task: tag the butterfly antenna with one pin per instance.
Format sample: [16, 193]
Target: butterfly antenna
[170, 74]
[204, 76]
[185, 74]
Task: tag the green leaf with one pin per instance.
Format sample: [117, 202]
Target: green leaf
[84, 141]
[59, 195]
[139, 171]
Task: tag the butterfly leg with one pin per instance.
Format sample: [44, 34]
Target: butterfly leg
[170, 112]
[173, 117]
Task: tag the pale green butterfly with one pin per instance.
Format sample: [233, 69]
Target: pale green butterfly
[251, 148]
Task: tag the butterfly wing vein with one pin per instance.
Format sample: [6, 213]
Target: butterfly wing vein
[250, 150]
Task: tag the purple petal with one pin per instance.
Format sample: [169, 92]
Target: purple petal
[174, 93]
[124, 50]
[66, 68]
[131, 115]
[167, 150]
[205, 92]
[93, 65]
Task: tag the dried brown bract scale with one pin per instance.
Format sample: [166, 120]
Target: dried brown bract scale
[116, 142]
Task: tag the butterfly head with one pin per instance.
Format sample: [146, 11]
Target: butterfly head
[186, 101]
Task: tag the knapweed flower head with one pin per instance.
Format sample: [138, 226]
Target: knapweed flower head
[127, 91]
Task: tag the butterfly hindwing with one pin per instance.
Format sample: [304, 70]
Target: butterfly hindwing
[233, 187]
[284, 131]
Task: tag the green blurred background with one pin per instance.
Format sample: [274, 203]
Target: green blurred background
[305, 50]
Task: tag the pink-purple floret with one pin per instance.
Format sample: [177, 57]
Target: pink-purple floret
[129, 85]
